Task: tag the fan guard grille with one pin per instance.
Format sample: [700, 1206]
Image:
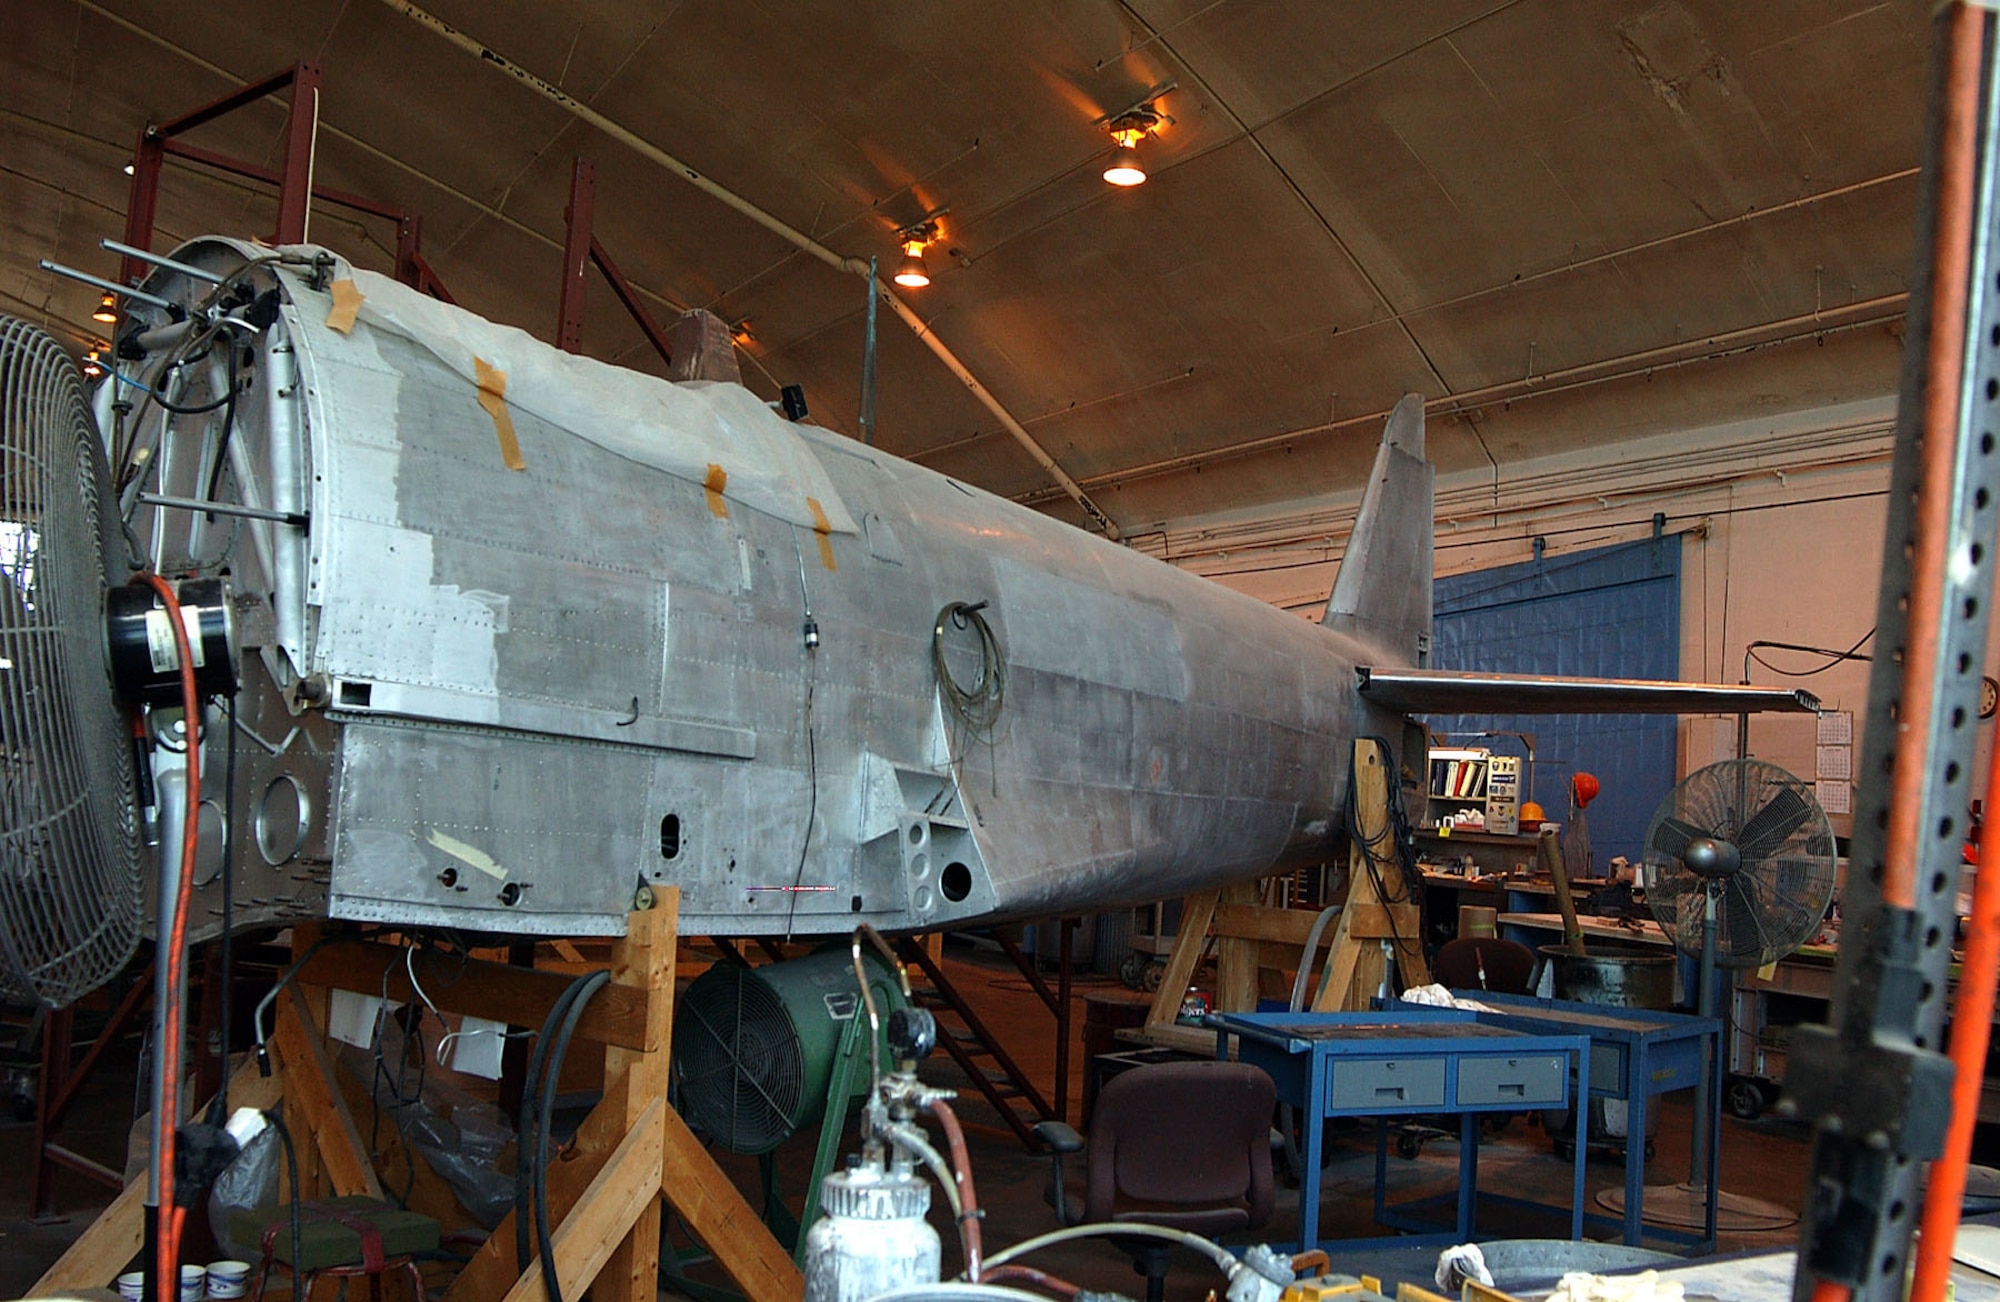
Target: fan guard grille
[70, 893]
[1775, 902]
[739, 1062]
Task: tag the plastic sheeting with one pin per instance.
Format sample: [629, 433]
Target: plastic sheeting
[684, 429]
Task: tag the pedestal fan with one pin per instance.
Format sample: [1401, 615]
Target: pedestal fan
[1739, 870]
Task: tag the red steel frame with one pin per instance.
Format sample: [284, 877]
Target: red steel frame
[61, 1080]
[293, 180]
[580, 248]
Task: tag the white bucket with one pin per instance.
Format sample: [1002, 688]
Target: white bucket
[228, 1279]
[132, 1285]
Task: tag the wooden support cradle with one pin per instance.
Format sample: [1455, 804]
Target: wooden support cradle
[1256, 944]
[631, 1153]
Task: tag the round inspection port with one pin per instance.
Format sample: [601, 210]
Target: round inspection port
[282, 820]
[955, 881]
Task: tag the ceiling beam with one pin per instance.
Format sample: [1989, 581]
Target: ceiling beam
[776, 226]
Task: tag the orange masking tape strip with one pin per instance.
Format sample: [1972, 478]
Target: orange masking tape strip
[493, 397]
[717, 480]
[346, 302]
[824, 529]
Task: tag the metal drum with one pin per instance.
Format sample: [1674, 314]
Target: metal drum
[1617, 976]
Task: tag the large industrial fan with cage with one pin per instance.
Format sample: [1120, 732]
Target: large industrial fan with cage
[1739, 871]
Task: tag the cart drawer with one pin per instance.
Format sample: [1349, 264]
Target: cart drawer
[1530, 1078]
[1364, 1083]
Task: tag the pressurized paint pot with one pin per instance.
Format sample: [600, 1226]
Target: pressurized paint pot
[873, 1237]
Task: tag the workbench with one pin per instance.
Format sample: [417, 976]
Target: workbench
[1444, 892]
[1636, 1055]
[1406, 1063]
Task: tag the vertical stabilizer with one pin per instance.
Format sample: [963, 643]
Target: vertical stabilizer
[1382, 594]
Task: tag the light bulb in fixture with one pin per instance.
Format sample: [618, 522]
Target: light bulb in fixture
[107, 310]
[1127, 130]
[92, 364]
[913, 274]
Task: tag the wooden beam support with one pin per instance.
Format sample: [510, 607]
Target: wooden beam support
[604, 1213]
[477, 988]
[1235, 956]
[644, 960]
[716, 1211]
[1197, 911]
[1358, 965]
[492, 1269]
[399, 1166]
[320, 1111]
[1258, 922]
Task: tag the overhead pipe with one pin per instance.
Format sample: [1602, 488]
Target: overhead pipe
[776, 226]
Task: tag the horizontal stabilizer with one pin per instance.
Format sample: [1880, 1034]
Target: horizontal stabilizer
[1443, 691]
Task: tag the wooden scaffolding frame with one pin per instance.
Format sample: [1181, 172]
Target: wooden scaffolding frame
[1256, 944]
[632, 1154]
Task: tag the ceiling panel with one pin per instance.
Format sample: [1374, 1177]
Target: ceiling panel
[1463, 196]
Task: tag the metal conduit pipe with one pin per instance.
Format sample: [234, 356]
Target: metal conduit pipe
[776, 226]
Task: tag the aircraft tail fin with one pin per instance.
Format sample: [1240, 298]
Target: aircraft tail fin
[1382, 594]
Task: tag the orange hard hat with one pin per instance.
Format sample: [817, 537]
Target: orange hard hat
[1584, 788]
[1531, 812]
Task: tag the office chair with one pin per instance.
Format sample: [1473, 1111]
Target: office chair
[1504, 967]
[1180, 1144]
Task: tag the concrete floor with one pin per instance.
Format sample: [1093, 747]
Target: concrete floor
[1765, 1160]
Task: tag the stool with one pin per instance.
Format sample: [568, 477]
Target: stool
[358, 1238]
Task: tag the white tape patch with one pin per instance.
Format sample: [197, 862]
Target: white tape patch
[470, 855]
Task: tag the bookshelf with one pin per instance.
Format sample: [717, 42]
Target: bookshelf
[1457, 782]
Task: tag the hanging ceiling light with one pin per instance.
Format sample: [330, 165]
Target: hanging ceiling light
[93, 361]
[912, 274]
[1128, 129]
[107, 310]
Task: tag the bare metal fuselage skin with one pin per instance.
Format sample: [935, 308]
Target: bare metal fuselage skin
[507, 700]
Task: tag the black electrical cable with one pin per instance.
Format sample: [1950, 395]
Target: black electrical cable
[812, 812]
[537, 1106]
[291, 1166]
[592, 984]
[524, 1125]
[1833, 657]
[1396, 828]
[228, 425]
[976, 707]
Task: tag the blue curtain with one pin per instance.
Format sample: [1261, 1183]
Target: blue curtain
[1611, 612]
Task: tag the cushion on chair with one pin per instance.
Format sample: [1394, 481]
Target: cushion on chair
[1193, 1136]
[1509, 965]
[332, 1231]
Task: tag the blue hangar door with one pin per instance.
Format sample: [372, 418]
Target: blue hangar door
[1611, 612]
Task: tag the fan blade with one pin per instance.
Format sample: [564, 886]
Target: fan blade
[1671, 835]
[1773, 823]
[1743, 942]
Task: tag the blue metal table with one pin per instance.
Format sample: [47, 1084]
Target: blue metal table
[1401, 1063]
[1636, 1055]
